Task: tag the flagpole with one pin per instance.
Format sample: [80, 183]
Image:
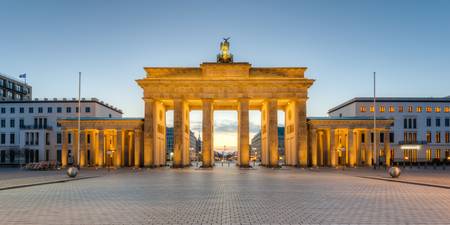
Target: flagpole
[374, 123]
[79, 118]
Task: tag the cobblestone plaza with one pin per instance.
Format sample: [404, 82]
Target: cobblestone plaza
[226, 196]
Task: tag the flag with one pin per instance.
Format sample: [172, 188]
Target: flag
[23, 75]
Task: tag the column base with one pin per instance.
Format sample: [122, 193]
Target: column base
[245, 167]
[180, 166]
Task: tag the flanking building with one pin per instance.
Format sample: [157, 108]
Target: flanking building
[29, 131]
[14, 90]
[255, 144]
[421, 130]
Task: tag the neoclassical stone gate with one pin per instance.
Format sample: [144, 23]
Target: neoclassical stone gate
[225, 85]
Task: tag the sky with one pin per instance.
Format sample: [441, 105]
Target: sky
[341, 42]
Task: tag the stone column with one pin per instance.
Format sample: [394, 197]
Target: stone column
[75, 147]
[321, 149]
[101, 148]
[137, 147]
[149, 132]
[83, 148]
[351, 148]
[387, 147]
[333, 147]
[64, 148]
[119, 148]
[302, 133]
[207, 133]
[313, 147]
[243, 133]
[181, 134]
[367, 147]
[272, 132]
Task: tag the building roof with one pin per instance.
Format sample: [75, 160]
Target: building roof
[391, 99]
[347, 118]
[15, 80]
[64, 100]
[103, 118]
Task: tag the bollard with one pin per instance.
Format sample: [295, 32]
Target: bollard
[394, 172]
[72, 172]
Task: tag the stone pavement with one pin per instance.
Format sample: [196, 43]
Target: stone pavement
[429, 175]
[226, 196]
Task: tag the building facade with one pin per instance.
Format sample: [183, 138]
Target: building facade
[29, 131]
[421, 131]
[14, 90]
[194, 144]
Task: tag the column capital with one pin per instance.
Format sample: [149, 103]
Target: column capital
[207, 100]
[148, 100]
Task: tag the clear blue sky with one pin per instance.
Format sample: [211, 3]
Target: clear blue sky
[341, 42]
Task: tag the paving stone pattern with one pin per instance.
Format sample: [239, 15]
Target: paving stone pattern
[225, 196]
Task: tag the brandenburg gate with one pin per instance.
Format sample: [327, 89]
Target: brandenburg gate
[225, 85]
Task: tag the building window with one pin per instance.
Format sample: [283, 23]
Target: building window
[12, 110]
[414, 123]
[363, 138]
[12, 139]
[372, 109]
[58, 138]
[429, 109]
[405, 123]
[447, 109]
[438, 122]
[2, 139]
[3, 110]
[59, 110]
[447, 122]
[12, 123]
[88, 138]
[428, 137]
[447, 137]
[21, 123]
[391, 109]
[437, 154]
[428, 155]
[68, 110]
[437, 109]
[49, 110]
[400, 108]
[31, 110]
[409, 123]
[40, 110]
[382, 108]
[428, 122]
[3, 123]
[69, 138]
[21, 110]
[419, 109]
[381, 137]
[391, 137]
[76, 109]
[361, 109]
[47, 138]
[438, 137]
[410, 108]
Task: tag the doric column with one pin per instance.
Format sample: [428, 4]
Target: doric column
[64, 148]
[149, 132]
[119, 147]
[321, 149]
[83, 148]
[313, 147]
[137, 147]
[207, 133]
[243, 133]
[272, 132]
[351, 147]
[333, 147]
[367, 147]
[387, 147]
[181, 134]
[101, 148]
[302, 133]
